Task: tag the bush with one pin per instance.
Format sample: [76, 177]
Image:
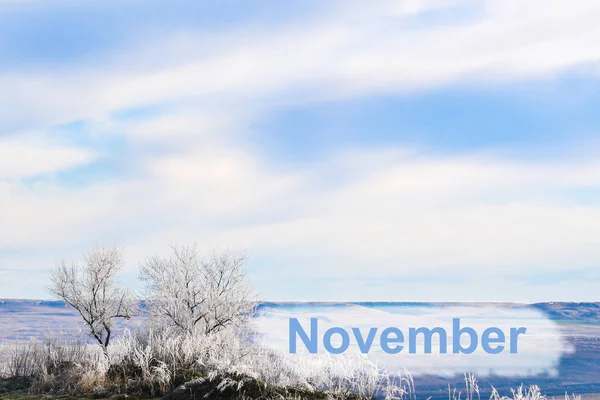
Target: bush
[154, 363]
[223, 365]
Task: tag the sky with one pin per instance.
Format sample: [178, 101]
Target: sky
[416, 150]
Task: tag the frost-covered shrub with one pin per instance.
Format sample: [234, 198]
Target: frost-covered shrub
[196, 294]
[154, 363]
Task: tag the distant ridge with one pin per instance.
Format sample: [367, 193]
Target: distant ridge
[582, 312]
[588, 312]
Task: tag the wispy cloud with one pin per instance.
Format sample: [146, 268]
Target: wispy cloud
[186, 103]
[26, 158]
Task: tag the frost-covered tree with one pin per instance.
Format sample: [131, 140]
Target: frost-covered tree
[195, 294]
[90, 286]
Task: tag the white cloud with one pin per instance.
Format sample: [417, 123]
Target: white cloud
[438, 215]
[393, 211]
[26, 157]
[348, 54]
[405, 213]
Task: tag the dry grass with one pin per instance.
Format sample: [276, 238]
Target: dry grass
[153, 363]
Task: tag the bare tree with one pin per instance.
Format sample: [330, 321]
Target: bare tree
[90, 287]
[195, 294]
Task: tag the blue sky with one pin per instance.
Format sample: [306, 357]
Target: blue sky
[416, 150]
